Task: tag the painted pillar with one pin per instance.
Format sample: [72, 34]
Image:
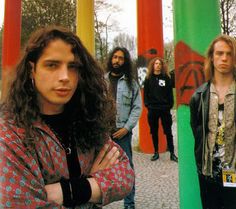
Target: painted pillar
[196, 24]
[150, 44]
[11, 41]
[85, 24]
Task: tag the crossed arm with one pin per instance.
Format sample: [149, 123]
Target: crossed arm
[21, 172]
[105, 159]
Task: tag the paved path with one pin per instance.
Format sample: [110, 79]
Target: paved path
[156, 182]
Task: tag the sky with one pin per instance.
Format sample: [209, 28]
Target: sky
[127, 17]
[1, 11]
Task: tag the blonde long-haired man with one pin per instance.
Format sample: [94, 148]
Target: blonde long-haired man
[212, 108]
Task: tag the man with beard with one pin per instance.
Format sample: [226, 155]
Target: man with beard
[126, 93]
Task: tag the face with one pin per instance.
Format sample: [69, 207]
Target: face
[118, 59]
[222, 59]
[55, 77]
[157, 67]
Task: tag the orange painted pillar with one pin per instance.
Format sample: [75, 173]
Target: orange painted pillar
[11, 40]
[150, 44]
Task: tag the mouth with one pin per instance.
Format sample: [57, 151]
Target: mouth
[62, 91]
[224, 66]
[116, 65]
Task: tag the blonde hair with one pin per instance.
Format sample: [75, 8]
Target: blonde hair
[208, 64]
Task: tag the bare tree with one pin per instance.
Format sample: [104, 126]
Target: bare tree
[228, 17]
[104, 26]
[169, 54]
[127, 41]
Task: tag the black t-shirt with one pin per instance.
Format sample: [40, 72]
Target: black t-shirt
[58, 124]
[63, 129]
[113, 84]
[158, 92]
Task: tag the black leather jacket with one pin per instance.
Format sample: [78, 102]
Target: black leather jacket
[199, 108]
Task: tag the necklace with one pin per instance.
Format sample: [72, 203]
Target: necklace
[67, 148]
[56, 123]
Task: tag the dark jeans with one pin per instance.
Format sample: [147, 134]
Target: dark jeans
[166, 120]
[125, 144]
[215, 196]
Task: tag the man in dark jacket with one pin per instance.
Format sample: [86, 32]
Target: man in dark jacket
[212, 110]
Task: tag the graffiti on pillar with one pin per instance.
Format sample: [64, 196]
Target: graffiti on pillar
[142, 63]
[190, 76]
[189, 72]
[142, 72]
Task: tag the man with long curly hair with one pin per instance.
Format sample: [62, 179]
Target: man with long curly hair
[158, 98]
[126, 94]
[55, 150]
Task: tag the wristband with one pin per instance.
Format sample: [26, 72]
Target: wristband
[67, 192]
[81, 190]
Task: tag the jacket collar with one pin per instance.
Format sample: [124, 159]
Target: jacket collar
[107, 76]
[204, 87]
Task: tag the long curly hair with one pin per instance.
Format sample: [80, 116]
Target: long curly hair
[90, 109]
[128, 66]
[208, 64]
[150, 67]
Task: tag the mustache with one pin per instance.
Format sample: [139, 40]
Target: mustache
[116, 64]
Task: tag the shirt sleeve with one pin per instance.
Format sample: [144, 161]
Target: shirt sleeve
[21, 182]
[136, 108]
[117, 181]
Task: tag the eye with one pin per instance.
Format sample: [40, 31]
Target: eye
[75, 66]
[51, 65]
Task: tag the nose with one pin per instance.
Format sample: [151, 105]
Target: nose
[225, 56]
[116, 60]
[63, 73]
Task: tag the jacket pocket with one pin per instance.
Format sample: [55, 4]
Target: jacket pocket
[126, 98]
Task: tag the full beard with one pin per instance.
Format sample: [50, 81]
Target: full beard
[118, 70]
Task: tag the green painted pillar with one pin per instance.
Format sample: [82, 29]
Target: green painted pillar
[196, 24]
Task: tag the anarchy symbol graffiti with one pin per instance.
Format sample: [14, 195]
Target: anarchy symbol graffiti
[189, 76]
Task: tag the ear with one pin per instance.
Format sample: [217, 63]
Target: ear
[32, 69]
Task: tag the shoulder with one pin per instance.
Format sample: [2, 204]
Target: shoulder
[204, 87]
[135, 85]
[166, 76]
[10, 134]
[6, 120]
[200, 90]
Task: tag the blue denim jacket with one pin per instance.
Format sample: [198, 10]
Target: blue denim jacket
[128, 104]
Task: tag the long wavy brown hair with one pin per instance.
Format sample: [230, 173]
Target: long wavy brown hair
[208, 65]
[90, 109]
[150, 68]
[128, 66]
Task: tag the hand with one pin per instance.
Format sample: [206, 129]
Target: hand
[120, 133]
[54, 193]
[106, 158]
